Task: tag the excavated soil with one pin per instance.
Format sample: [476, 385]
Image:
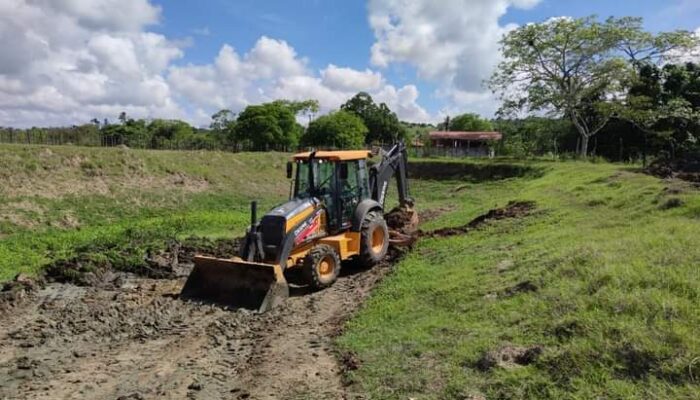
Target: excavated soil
[125, 335]
[514, 209]
[686, 168]
[112, 334]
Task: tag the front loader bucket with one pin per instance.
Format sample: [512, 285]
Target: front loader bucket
[236, 283]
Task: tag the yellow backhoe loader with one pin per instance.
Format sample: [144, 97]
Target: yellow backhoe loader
[335, 213]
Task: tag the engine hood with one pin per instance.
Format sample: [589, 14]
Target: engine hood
[293, 208]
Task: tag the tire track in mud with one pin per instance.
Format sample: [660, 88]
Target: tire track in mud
[139, 341]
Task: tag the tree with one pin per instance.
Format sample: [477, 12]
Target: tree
[470, 122]
[382, 123]
[575, 67]
[664, 103]
[534, 136]
[340, 129]
[643, 47]
[223, 127]
[131, 132]
[222, 119]
[563, 66]
[305, 107]
[169, 133]
[269, 125]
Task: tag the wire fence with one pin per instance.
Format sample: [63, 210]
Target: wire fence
[54, 137]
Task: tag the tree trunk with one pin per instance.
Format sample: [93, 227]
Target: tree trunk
[584, 146]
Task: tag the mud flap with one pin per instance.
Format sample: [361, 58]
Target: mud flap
[236, 283]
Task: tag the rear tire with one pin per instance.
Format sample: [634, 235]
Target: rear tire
[374, 239]
[321, 266]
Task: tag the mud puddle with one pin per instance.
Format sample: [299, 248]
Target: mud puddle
[132, 338]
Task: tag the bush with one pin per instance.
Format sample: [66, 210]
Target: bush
[340, 129]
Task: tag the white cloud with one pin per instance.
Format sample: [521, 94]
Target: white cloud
[272, 70]
[453, 42]
[68, 61]
[270, 58]
[113, 15]
[693, 55]
[404, 102]
[349, 79]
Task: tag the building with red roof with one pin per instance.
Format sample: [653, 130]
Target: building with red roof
[456, 143]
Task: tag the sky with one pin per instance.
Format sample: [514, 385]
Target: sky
[65, 62]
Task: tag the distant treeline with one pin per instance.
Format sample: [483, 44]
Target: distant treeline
[529, 137]
[361, 122]
[262, 127]
[139, 133]
[619, 140]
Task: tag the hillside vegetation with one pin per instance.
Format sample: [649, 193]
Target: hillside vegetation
[56, 200]
[594, 295]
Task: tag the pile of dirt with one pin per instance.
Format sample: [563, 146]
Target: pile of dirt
[402, 219]
[471, 172]
[686, 168]
[223, 247]
[107, 269]
[514, 209]
[403, 226]
[106, 266]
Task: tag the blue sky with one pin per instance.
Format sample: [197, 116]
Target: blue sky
[66, 62]
[338, 31]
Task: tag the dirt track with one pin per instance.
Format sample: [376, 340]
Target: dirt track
[139, 340]
[134, 339]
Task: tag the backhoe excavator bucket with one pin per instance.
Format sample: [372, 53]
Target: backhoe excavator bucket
[236, 283]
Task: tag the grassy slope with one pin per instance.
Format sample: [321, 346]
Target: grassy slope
[55, 200]
[616, 307]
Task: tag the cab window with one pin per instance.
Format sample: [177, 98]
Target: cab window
[323, 178]
[351, 184]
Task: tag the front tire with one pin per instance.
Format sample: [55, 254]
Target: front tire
[374, 239]
[321, 266]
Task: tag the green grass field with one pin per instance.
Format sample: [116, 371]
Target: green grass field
[602, 280]
[56, 201]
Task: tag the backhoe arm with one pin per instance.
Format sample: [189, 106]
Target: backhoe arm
[394, 163]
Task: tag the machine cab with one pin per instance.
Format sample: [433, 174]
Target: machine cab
[338, 179]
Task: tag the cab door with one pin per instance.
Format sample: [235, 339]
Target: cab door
[349, 191]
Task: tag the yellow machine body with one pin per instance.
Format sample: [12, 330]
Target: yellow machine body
[320, 225]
